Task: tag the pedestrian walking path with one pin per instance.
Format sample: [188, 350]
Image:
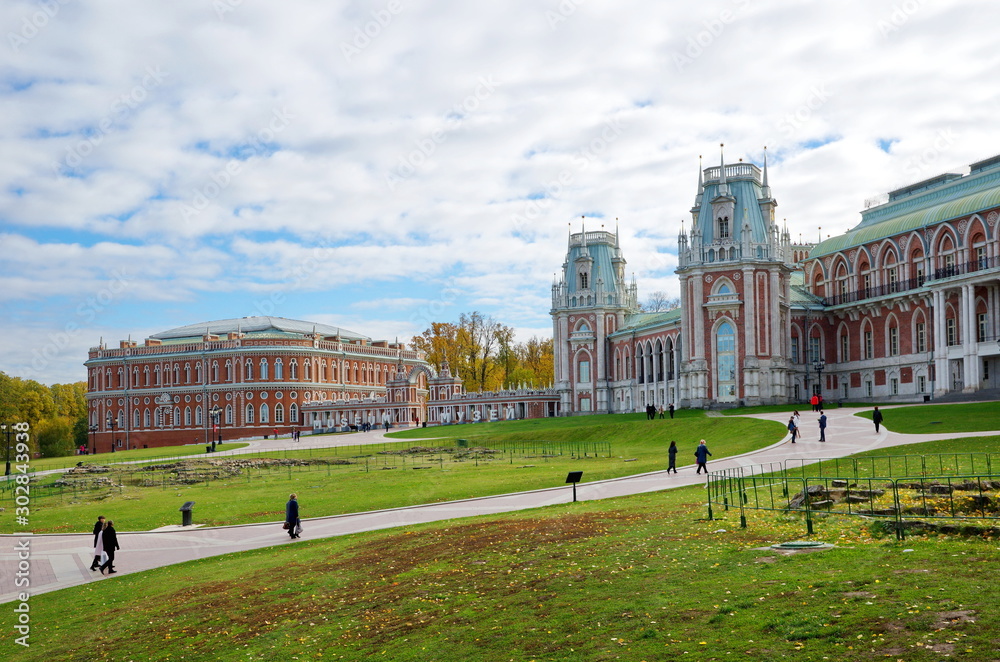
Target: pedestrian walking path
[61, 560]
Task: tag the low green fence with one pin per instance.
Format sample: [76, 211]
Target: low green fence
[94, 480]
[910, 492]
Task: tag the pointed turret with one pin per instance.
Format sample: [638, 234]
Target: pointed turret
[765, 188]
[723, 185]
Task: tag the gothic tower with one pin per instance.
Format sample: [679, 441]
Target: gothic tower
[589, 301]
[734, 271]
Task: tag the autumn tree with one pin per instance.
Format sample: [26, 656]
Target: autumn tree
[658, 302]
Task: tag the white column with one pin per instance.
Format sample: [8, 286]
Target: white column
[972, 372]
[942, 378]
[699, 318]
[749, 313]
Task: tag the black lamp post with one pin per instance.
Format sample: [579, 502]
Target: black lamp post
[819, 365]
[7, 430]
[215, 413]
[110, 420]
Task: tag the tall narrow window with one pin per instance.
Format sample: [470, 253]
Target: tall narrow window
[844, 347]
[724, 227]
[952, 331]
[814, 354]
[981, 327]
[893, 341]
[725, 347]
[869, 346]
[583, 281]
[249, 417]
[583, 372]
[921, 337]
[795, 349]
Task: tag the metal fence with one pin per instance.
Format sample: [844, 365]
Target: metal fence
[89, 483]
[907, 491]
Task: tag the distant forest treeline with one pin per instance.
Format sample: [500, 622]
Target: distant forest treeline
[57, 414]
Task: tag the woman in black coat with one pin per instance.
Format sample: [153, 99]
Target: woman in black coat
[110, 538]
[672, 454]
[292, 516]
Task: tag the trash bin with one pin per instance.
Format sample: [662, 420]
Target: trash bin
[927, 398]
[208, 449]
[186, 513]
[424, 424]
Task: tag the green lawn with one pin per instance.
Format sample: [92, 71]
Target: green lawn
[46, 463]
[637, 578]
[931, 419]
[638, 446]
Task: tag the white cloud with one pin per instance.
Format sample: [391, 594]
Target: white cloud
[258, 123]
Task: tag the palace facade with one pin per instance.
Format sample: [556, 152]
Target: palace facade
[902, 307]
[230, 379]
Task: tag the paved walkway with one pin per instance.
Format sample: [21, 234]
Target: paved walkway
[62, 560]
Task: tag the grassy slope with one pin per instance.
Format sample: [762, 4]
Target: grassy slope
[351, 489]
[46, 463]
[933, 419]
[639, 578]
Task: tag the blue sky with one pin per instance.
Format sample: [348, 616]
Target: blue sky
[381, 165]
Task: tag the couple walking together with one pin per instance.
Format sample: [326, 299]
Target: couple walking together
[105, 545]
[701, 456]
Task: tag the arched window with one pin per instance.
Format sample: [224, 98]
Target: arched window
[156, 372]
[264, 415]
[187, 416]
[177, 373]
[215, 371]
[583, 281]
[229, 371]
[248, 371]
[135, 418]
[279, 413]
[249, 415]
[197, 415]
[145, 375]
[725, 347]
[278, 369]
[293, 369]
[293, 414]
[145, 418]
[583, 370]
[307, 369]
[187, 373]
[229, 414]
[177, 416]
[263, 369]
[723, 223]
[197, 372]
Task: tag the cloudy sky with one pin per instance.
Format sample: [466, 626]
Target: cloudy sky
[381, 165]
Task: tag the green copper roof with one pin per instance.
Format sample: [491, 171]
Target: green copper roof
[642, 321]
[951, 201]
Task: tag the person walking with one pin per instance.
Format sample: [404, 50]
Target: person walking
[109, 537]
[672, 454]
[98, 544]
[292, 516]
[701, 455]
[660, 412]
[822, 426]
[793, 429]
[877, 419]
[671, 410]
[814, 401]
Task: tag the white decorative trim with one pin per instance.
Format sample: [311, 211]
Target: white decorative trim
[992, 218]
[737, 276]
[708, 278]
[962, 225]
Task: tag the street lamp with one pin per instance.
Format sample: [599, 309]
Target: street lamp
[7, 430]
[110, 420]
[215, 413]
[819, 365]
[93, 445]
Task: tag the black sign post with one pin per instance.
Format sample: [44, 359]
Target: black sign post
[574, 477]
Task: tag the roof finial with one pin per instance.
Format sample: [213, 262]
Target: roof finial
[767, 192]
[616, 232]
[722, 163]
[701, 180]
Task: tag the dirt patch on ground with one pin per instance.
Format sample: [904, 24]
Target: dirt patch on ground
[858, 594]
[947, 619]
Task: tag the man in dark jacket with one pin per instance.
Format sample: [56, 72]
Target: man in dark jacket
[292, 516]
[877, 419]
[701, 456]
[98, 527]
[110, 545]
